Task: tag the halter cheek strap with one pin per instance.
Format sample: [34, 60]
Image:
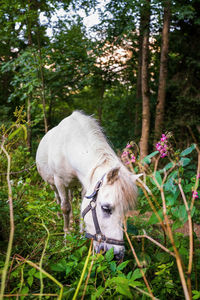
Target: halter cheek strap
[99, 236]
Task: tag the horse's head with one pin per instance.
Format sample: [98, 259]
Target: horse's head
[104, 210]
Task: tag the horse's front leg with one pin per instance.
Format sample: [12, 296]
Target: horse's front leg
[64, 202]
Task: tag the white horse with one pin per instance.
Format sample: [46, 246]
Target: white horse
[77, 148]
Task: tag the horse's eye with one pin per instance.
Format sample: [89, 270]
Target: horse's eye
[107, 209]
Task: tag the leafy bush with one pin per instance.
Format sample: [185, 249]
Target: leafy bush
[159, 260]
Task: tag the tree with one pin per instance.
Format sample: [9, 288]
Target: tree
[160, 107]
[145, 85]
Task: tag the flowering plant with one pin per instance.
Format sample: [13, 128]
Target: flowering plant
[128, 156]
[163, 145]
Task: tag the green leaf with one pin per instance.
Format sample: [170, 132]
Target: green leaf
[24, 291]
[170, 185]
[123, 265]
[188, 150]
[184, 161]
[134, 283]
[182, 213]
[124, 290]
[157, 177]
[14, 133]
[30, 280]
[101, 268]
[37, 275]
[147, 159]
[121, 284]
[196, 294]
[109, 254]
[167, 167]
[137, 274]
[131, 229]
[98, 293]
[170, 200]
[152, 154]
[113, 266]
[153, 219]
[31, 271]
[68, 270]
[177, 224]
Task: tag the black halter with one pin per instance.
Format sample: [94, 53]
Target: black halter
[98, 236]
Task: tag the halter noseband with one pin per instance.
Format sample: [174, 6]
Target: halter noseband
[98, 236]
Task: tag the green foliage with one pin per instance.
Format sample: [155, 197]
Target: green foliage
[75, 77]
[36, 209]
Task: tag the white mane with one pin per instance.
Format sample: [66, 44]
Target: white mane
[124, 188]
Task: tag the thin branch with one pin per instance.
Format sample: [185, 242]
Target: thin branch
[88, 276]
[197, 179]
[155, 242]
[12, 226]
[41, 259]
[170, 235]
[138, 262]
[24, 295]
[83, 272]
[191, 248]
[20, 258]
[21, 171]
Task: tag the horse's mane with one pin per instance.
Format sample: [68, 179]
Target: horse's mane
[124, 187]
[125, 190]
[96, 138]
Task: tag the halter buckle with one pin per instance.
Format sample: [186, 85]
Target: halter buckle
[98, 237]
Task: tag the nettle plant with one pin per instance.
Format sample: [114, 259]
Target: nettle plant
[169, 189]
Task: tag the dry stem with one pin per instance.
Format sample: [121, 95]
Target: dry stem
[12, 227]
[138, 262]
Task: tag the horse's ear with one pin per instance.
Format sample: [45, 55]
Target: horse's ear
[112, 175]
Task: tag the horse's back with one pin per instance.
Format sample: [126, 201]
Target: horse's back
[65, 148]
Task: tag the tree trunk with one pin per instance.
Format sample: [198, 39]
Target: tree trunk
[29, 100]
[29, 140]
[100, 108]
[160, 107]
[139, 72]
[145, 87]
[42, 83]
[50, 111]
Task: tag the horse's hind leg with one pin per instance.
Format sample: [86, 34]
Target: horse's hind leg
[57, 198]
[64, 202]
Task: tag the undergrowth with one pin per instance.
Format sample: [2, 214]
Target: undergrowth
[159, 261]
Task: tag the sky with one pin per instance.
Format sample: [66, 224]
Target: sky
[88, 21]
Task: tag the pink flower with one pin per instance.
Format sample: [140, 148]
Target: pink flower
[162, 146]
[195, 194]
[132, 158]
[158, 146]
[128, 146]
[125, 153]
[163, 138]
